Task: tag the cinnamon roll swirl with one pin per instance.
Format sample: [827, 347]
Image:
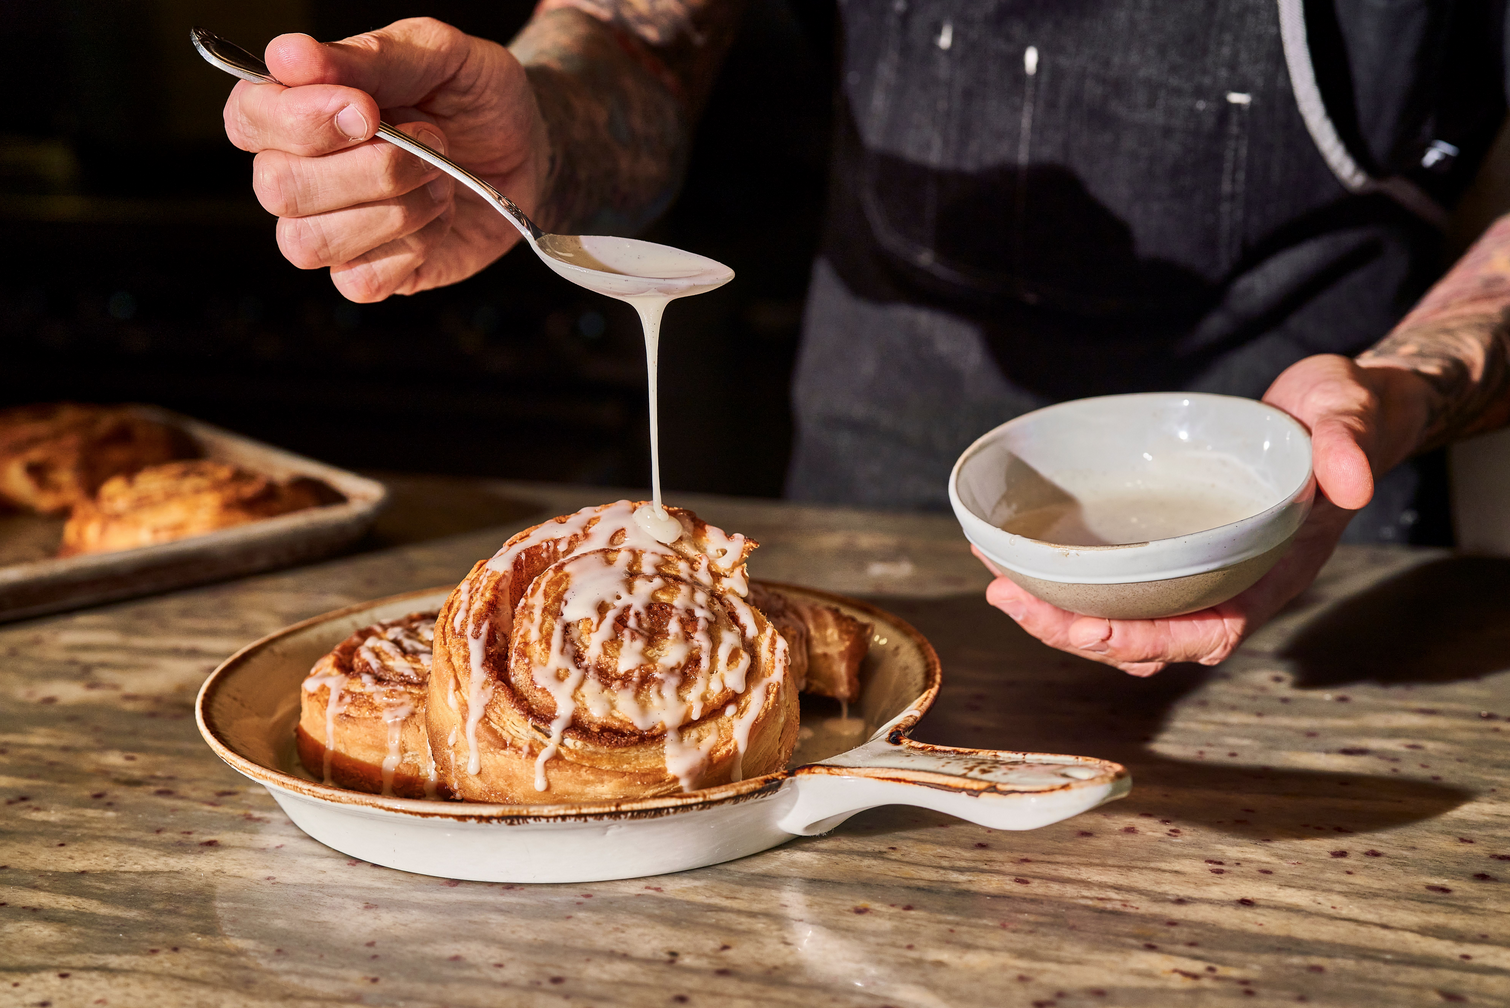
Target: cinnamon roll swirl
[587, 661]
[362, 711]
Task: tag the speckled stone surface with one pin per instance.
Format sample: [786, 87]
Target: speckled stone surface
[1323, 819]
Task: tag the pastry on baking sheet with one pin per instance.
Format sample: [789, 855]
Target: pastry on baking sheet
[362, 711]
[54, 456]
[179, 499]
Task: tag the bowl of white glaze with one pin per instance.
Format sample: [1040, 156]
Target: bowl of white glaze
[1137, 506]
[248, 707]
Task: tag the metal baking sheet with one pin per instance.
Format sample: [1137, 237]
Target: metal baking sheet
[33, 581]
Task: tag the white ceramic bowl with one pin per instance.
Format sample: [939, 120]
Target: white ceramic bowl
[1184, 445]
[248, 707]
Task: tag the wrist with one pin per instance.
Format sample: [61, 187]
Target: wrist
[552, 212]
[1462, 355]
[568, 115]
[615, 136]
[1409, 403]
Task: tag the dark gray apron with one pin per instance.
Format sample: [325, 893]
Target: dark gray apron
[1036, 200]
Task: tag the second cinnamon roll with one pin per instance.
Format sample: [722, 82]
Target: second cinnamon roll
[362, 711]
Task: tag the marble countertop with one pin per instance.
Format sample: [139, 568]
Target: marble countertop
[1322, 819]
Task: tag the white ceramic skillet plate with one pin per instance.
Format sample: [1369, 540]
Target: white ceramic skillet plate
[248, 707]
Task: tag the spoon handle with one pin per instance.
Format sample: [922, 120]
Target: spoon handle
[237, 62]
[500, 202]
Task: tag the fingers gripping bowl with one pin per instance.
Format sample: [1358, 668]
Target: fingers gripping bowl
[1137, 506]
[248, 708]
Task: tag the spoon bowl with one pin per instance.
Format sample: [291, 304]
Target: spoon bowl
[628, 267]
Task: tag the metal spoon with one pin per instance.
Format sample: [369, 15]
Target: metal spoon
[618, 267]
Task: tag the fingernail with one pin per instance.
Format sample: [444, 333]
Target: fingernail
[438, 189]
[432, 140]
[1016, 610]
[351, 123]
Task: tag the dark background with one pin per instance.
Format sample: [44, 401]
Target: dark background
[139, 267]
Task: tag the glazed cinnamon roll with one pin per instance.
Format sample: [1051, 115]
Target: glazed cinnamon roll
[362, 711]
[587, 661]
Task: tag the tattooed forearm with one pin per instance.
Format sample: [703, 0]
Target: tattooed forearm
[1458, 340]
[682, 41]
[619, 84]
[1463, 358]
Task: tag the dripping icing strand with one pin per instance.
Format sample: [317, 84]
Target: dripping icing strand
[335, 703]
[393, 716]
[479, 692]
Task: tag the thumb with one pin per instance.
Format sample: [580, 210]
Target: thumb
[399, 65]
[1342, 467]
[297, 59]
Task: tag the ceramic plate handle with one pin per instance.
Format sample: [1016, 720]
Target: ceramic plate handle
[1001, 790]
